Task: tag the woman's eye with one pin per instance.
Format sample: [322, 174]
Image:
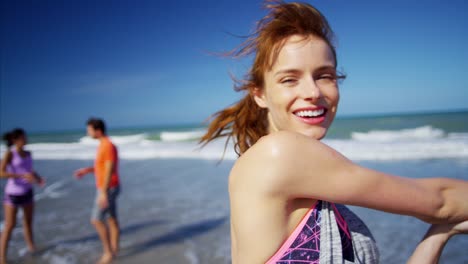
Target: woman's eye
[327, 76]
[288, 81]
[326, 79]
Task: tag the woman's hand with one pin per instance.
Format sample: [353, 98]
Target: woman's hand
[461, 228]
[34, 178]
[431, 246]
[30, 177]
[40, 180]
[452, 229]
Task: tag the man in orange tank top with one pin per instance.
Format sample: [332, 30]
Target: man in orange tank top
[108, 187]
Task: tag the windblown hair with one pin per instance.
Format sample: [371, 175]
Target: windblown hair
[245, 121]
[13, 135]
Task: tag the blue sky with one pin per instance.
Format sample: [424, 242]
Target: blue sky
[144, 63]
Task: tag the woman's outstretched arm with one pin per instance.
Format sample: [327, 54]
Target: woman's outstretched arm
[291, 165]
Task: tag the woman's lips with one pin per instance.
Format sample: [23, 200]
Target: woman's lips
[311, 116]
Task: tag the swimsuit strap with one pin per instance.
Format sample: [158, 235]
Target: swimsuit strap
[336, 239]
[304, 242]
[328, 233]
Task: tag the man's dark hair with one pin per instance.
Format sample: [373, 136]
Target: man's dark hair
[97, 124]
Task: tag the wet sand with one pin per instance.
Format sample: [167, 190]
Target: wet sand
[177, 211]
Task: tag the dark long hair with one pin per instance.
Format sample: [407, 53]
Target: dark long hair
[13, 135]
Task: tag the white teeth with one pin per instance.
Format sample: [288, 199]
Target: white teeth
[310, 113]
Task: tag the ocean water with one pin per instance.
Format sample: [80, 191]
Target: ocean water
[174, 204]
[392, 137]
[177, 211]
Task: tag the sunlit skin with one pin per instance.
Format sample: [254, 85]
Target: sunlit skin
[302, 78]
[275, 182]
[93, 133]
[21, 142]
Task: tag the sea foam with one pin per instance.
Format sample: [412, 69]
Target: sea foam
[423, 142]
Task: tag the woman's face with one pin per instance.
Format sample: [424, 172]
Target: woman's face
[21, 141]
[301, 91]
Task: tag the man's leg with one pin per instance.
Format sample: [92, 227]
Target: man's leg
[101, 229]
[114, 231]
[112, 221]
[97, 220]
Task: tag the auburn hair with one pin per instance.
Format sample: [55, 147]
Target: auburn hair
[245, 122]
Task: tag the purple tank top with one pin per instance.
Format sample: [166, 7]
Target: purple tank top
[18, 165]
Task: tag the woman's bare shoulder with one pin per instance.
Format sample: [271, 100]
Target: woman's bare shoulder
[6, 158]
[270, 157]
[7, 155]
[278, 143]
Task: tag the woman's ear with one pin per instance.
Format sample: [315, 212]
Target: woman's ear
[259, 97]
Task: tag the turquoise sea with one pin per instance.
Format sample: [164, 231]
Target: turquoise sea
[174, 205]
[383, 137]
[343, 127]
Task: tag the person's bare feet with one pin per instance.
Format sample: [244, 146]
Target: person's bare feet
[105, 258]
[115, 251]
[32, 249]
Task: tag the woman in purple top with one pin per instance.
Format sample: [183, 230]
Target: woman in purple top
[16, 165]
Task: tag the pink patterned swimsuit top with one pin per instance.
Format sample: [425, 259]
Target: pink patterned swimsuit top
[323, 236]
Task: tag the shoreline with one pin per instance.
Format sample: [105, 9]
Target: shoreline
[177, 211]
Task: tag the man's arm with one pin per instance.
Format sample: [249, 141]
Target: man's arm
[83, 171]
[103, 199]
[109, 168]
[110, 157]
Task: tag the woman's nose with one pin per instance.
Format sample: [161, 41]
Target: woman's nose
[310, 90]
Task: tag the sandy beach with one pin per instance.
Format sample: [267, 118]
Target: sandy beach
[177, 211]
[171, 211]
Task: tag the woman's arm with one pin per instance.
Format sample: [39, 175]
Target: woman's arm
[39, 179]
[36, 178]
[431, 246]
[5, 161]
[31, 177]
[290, 165]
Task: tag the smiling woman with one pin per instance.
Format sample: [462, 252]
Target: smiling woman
[287, 189]
[303, 92]
[248, 119]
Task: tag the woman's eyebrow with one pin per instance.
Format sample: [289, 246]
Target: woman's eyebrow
[297, 71]
[326, 68]
[286, 71]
